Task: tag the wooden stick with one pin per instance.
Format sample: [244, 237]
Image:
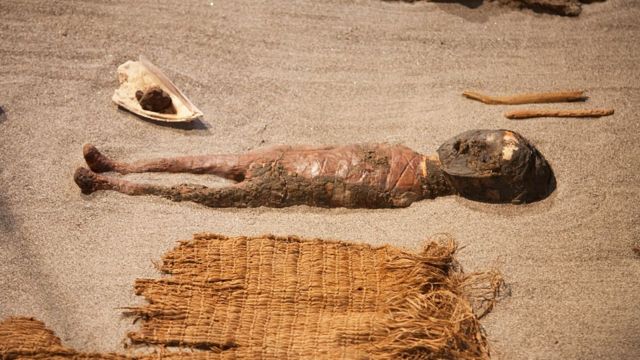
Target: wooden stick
[533, 98]
[532, 113]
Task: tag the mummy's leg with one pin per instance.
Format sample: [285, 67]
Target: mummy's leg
[230, 196]
[89, 182]
[231, 167]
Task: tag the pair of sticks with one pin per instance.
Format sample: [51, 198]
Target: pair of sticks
[537, 98]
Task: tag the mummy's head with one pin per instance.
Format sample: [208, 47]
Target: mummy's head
[496, 166]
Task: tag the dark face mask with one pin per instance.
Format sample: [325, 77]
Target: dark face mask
[496, 166]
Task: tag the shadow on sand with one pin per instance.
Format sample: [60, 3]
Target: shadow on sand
[469, 10]
[194, 125]
[3, 115]
[563, 8]
[471, 4]
[7, 219]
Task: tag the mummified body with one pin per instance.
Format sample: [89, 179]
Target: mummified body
[348, 176]
[353, 176]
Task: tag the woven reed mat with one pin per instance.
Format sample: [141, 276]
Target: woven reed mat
[289, 298]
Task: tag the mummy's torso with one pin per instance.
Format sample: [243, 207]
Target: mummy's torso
[370, 176]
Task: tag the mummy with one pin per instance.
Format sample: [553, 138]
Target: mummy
[496, 166]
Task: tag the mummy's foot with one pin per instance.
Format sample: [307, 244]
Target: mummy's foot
[88, 181]
[96, 161]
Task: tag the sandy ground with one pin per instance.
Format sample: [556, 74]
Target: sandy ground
[322, 72]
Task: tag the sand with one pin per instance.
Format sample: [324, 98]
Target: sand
[322, 72]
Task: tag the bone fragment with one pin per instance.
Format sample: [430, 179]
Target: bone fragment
[532, 98]
[533, 113]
